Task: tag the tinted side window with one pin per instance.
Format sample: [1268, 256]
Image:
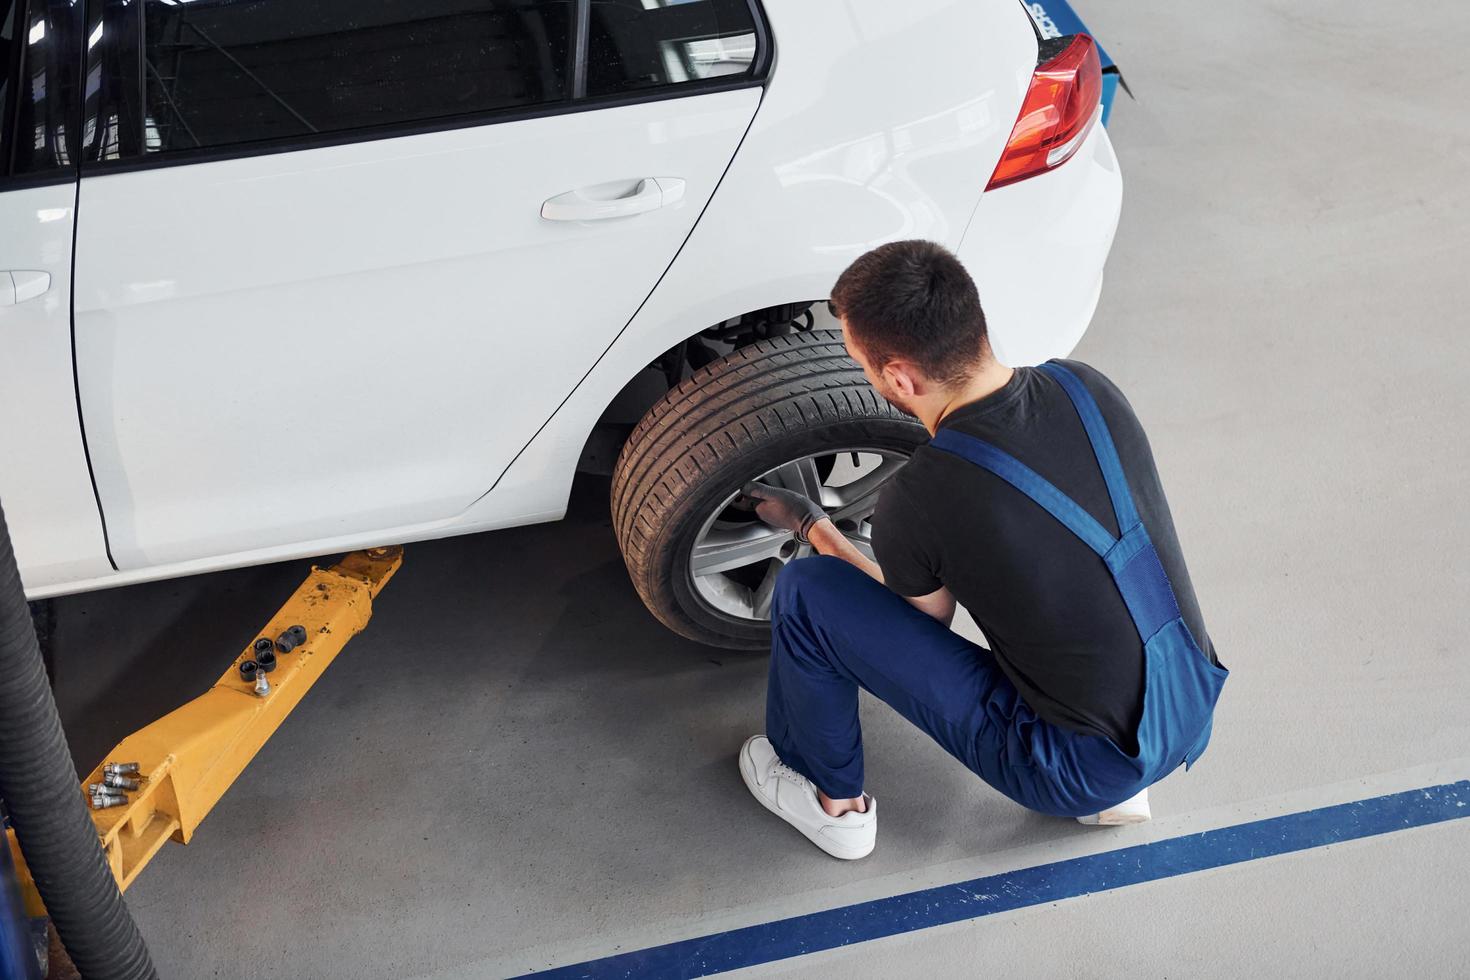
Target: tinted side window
[38, 87]
[223, 72]
[11, 14]
[641, 44]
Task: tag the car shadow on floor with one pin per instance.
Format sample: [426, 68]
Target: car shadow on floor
[123, 657]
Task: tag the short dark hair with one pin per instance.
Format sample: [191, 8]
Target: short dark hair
[914, 300]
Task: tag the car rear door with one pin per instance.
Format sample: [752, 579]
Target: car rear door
[44, 483]
[338, 260]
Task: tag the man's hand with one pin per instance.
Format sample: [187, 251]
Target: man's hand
[791, 511]
[785, 510]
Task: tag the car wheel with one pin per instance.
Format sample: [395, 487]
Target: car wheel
[792, 411]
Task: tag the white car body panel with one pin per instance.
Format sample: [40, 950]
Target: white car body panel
[1036, 250]
[47, 493]
[876, 124]
[303, 345]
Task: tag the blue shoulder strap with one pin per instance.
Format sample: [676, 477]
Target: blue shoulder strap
[1029, 482]
[1131, 557]
[1102, 444]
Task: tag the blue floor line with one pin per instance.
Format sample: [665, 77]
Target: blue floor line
[1037, 885]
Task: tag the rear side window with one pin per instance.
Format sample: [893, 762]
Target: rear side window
[635, 45]
[38, 88]
[167, 79]
[225, 72]
[11, 14]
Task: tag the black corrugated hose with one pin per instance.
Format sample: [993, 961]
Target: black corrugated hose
[45, 802]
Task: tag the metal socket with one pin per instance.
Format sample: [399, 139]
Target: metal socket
[292, 638]
[251, 673]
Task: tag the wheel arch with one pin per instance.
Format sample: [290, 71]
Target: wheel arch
[538, 482]
[679, 360]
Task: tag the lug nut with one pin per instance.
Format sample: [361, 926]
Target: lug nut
[101, 801]
[291, 639]
[114, 780]
[121, 768]
[262, 645]
[109, 788]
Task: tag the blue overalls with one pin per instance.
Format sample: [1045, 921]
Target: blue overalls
[834, 629]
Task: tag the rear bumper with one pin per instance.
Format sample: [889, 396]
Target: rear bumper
[1037, 249]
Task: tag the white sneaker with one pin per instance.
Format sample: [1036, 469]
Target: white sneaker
[792, 797]
[1132, 810]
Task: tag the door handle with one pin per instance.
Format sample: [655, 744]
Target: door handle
[595, 204]
[19, 285]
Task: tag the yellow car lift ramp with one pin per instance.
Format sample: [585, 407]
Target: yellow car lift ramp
[190, 756]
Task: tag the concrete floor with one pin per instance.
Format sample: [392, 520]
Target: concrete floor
[516, 767]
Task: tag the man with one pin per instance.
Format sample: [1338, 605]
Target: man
[1037, 505]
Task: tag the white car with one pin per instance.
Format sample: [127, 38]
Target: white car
[283, 278]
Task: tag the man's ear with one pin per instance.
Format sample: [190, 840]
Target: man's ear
[903, 378]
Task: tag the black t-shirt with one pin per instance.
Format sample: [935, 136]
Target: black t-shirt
[1045, 601]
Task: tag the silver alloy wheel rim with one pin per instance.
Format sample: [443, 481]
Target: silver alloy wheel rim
[736, 558]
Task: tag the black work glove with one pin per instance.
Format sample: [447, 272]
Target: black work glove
[785, 510]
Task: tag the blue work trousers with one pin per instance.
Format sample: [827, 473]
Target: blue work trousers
[835, 629]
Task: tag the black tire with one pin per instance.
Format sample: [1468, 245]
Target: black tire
[761, 406]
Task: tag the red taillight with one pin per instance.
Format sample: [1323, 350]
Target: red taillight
[1056, 116]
